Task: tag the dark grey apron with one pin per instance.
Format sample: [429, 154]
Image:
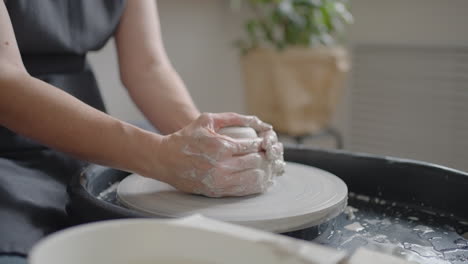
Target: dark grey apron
[54, 37]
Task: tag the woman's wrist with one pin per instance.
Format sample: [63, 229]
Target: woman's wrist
[141, 151]
[187, 114]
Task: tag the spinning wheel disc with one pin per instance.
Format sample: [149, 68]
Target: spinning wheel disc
[303, 197]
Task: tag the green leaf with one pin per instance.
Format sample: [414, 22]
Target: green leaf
[251, 27]
[282, 23]
[312, 3]
[326, 16]
[322, 21]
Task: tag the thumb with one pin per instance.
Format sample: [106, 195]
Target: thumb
[221, 120]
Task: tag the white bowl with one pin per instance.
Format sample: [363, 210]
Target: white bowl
[151, 241]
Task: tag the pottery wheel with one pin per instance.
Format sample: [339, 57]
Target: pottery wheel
[303, 197]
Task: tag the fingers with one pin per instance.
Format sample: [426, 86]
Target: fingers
[245, 146]
[213, 122]
[255, 123]
[216, 148]
[275, 152]
[241, 163]
[240, 184]
[269, 138]
[232, 172]
[278, 167]
[221, 120]
[274, 149]
[214, 165]
[257, 182]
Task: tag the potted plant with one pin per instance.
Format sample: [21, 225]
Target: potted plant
[293, 62]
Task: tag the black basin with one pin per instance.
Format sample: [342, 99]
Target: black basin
[409, 193]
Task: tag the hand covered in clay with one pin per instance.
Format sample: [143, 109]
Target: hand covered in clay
[274, 152]
[197, 159]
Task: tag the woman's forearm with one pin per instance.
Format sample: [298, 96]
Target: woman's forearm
[162, 97]
[147, 72]
[42, 112]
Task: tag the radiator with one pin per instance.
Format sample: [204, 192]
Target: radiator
[410, 102]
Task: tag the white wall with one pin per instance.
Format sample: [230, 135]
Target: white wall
[414, 22]
[198, 36]
[104, 63]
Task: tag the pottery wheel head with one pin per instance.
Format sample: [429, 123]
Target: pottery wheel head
[305, 196]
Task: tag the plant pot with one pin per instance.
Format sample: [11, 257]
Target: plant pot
[297, 89]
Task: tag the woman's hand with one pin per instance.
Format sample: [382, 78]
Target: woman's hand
[197, 159]
[274, 152]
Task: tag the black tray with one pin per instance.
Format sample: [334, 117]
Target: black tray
[408, 208]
